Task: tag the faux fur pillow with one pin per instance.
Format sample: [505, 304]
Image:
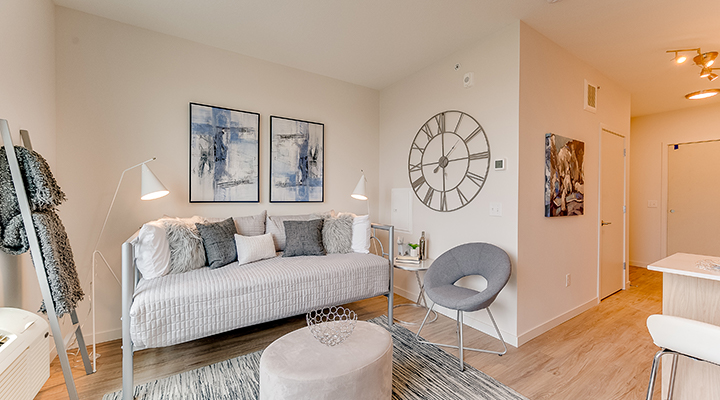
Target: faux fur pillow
[186, 248]
[337, 234]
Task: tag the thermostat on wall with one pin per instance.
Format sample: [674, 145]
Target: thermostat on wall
[500, 164]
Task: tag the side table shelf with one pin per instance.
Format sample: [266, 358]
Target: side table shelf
[423, 265]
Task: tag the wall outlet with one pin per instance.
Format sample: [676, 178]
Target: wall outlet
[567, 280]
[468, 80]
[652, 203]
[496, 209]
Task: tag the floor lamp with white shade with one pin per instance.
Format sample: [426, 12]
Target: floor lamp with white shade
[150, 189]
[359, 192]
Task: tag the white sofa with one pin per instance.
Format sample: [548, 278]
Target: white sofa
[177, 308]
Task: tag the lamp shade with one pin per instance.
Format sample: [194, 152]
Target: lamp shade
[359, 192]
[152, 188]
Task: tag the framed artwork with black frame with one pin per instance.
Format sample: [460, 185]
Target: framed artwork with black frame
[224, 155]
[297, 161]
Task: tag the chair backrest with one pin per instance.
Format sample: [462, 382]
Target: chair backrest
[687, 336]
[487, 260]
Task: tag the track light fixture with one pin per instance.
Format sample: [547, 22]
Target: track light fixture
[705, 60]
[679, 58]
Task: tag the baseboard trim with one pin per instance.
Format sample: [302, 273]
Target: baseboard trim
[544, 327]
[641, 264]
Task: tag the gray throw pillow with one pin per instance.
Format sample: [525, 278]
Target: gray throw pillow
[303, 238]
[337, 234]
[219, 241]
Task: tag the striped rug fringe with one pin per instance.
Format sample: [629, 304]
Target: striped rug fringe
[420, 372]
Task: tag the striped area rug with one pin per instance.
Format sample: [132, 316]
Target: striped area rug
[420, 372]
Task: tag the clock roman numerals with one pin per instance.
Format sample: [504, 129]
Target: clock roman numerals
[440, 120]
[463, 200]
[416, 147]
[415, 167]
[428, 132]
[475, 178]
[474, 133]
[479, 156]
[428, 196]
[418, 183]
[443, 201]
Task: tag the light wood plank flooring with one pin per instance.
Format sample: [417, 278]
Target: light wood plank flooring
[604, 353]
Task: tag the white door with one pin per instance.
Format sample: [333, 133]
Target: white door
[612, 215]
[693, 222]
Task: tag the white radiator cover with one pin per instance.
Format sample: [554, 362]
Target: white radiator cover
[24, 358]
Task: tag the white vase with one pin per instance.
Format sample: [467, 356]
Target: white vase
[413, 252]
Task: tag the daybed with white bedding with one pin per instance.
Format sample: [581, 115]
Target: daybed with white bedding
[177, 308]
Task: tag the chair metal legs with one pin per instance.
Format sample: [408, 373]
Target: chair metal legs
[653, 373]
[459, 330]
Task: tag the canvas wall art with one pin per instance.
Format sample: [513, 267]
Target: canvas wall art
[564, 176]
[296, 160]
[224, 155]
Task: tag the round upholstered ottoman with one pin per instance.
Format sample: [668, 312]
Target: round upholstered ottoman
[297, 366]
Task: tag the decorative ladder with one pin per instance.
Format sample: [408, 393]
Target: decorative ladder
[40, 265]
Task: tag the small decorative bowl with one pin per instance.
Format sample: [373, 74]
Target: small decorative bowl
[331, 325]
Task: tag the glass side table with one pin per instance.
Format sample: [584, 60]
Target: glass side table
[423, 265]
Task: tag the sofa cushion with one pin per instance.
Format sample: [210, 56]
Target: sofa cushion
[274, 226]
[304, 238]
[219, 242]
[337, 234]
[252, 225]
[254, 248]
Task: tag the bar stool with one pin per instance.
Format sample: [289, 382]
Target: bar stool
[681, 336]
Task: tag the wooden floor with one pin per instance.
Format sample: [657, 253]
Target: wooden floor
[604, 353]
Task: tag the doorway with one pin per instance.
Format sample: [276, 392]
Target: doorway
[693, 212]
[611, 271]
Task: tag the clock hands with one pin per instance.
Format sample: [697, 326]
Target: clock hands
[443, 162]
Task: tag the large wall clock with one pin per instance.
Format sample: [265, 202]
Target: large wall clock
[449, 161]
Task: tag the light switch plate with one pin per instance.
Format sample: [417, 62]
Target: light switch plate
[652, 203]
[496, 209]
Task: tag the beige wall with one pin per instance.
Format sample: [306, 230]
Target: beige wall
[651, 135]
[27, 101]
[122, 98]
[551, 101]
[493, 102]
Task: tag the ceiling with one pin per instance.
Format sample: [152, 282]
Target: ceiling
[375, 43]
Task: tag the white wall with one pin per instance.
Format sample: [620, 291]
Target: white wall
[551, 101]
[27, 101]
[651, 134]
[122, 98]
[493, 102]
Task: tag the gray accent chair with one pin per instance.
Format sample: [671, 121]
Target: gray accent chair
[487, 260]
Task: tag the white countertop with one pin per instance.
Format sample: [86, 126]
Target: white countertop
[686, 264]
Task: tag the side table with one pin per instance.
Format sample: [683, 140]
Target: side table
[423, 265]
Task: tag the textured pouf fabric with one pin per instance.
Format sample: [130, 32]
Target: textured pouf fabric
[298, 367]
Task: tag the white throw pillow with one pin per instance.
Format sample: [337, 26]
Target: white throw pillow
[152, 250]
[254, 248]
[361, 234]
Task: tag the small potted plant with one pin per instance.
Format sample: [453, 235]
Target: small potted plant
[413, 249]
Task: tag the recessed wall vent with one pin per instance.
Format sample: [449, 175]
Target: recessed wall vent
[591, 92]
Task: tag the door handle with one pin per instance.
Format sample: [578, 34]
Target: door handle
[603, 223]
[672, 211]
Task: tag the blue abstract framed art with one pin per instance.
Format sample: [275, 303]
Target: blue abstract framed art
[224, 155]
[296, 161]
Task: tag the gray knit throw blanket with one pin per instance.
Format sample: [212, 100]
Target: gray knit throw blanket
[44, 196]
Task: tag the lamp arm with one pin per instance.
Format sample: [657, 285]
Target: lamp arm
[112, 203]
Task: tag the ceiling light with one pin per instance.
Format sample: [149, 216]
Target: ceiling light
[705, 72]
[712, 76]
[702, 94]
[681, 58]
[706, 59]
